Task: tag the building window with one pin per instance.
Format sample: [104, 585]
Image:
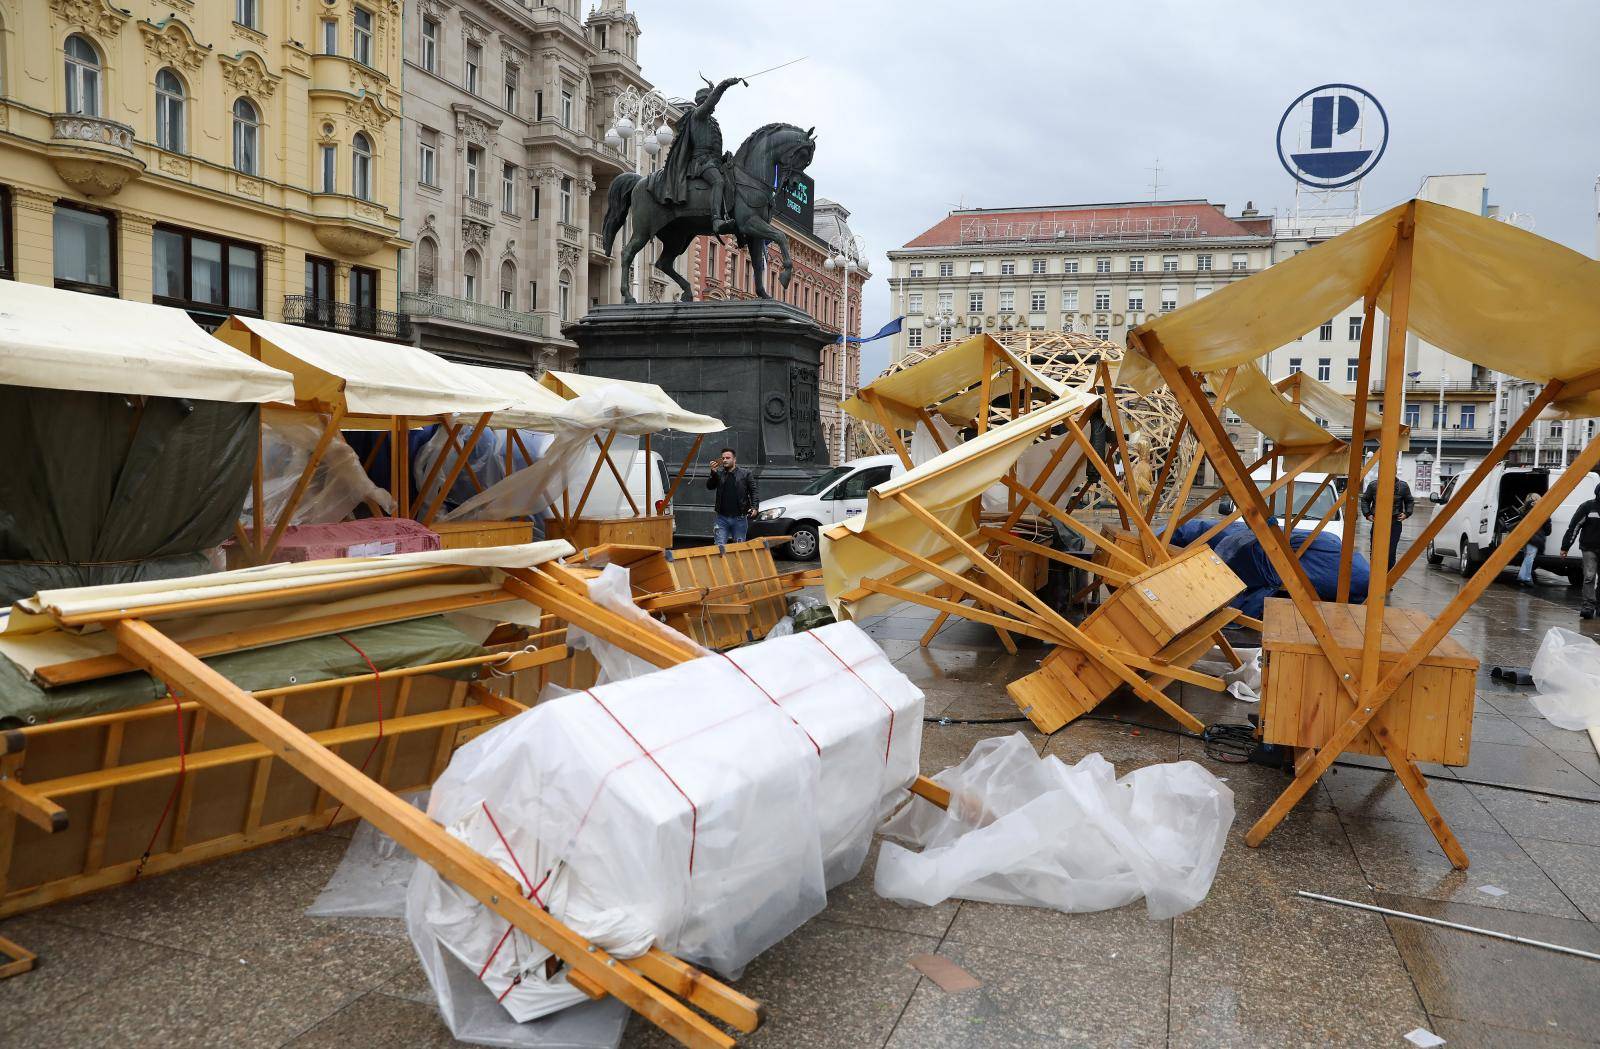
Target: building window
[469, 276]
[914, 339]
[361, 166]
[915, 269]
[1241, 261]
[1135, 300]
[1102, 298]
[566, 107]
[1169, 299]
[7, 271]
[329, 164]
[245, 13]
[428, 157]
[1169, 264]
[246, 137]
[1294, 365]
[1441, 413]
[1102, 265]
[85, 257]
[1008, 302]
[427, 265]
[974, 302]
[1202, 263]
[1324, 369]
[533, 295]
[83, 77]
[1352, 369]
[947, 269]
[914, 302]
[474, 64]
[975, 267]
[536, 201]
[974, 326]
[946, 334]
[947, 302]
[511, 88]
[330, 36]
[319, 279]
[430, 45]
[1355, 329]
[364, 297]
[1136, 265]
[508, 285]
[1325, 333]
[564, 295]
[1102, 333]
[196, 271]
[1469, 417]
[566, 199]
[1008, 267]
[1039, 265]
[474, 170]
[1413, 415]
[1036, 302]
[363, 36]
[1201, 291]
[169, 111]
[1069, 265]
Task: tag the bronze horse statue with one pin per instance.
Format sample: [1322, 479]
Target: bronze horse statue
[765, 166]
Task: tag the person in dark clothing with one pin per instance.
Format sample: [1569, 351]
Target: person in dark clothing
[1531, 552]
[735, 499]
[1585, 527]
[1404, 506]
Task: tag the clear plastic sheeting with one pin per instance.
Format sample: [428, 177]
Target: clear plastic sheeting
[1023, 829]
[338, 485]
[612, 590]
[1567, 674]
[704, 809]
[371, 880]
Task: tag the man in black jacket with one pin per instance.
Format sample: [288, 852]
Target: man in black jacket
[1404, 506]
[735, 500]
[1586, 527]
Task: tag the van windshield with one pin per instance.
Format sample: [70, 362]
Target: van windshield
[1303, 495]
[821, 484]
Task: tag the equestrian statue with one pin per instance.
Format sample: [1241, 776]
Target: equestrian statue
[701, 189]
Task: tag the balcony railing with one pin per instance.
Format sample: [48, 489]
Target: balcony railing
[342, 316]
[1424, 386]
[447, 307]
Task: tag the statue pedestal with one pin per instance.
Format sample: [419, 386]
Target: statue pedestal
[752, 363]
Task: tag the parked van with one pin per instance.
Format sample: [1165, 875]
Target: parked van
[837, 495]
[1303, 490]
[1473, 532]
[605, 497]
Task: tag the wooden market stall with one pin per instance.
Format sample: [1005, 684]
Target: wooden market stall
[1473, 287]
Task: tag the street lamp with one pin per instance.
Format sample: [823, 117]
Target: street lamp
[846, 252]
[634, 114]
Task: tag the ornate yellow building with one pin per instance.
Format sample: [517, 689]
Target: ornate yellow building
[225, 156]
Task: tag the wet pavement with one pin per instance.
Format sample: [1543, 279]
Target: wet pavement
[223, 954]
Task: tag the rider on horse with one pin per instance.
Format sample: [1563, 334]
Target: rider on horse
[697, 153]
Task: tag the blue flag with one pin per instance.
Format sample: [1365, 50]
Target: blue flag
[892, 328]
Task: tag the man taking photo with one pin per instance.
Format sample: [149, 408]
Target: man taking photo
[1404, 506]
[735, 500]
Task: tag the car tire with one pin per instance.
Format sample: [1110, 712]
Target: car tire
[1434, 556]
[1464, 563]
[803, 543]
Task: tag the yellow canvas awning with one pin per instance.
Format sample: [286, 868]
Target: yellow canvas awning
[368, 377]
[948, 384]
[537, 407]
[627, 406]
[66, 340]
[949, 486]
[1486, 291]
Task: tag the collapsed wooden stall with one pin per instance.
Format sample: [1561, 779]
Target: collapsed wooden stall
[1462, 282]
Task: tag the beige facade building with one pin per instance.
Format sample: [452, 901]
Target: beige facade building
[506, 108]
[225, 156]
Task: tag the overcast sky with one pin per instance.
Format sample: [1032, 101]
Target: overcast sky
[921, 106]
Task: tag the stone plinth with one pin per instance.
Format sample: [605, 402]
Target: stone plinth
[752, 363]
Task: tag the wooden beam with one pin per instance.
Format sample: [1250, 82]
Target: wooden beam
[683, 470]
[871, 397]
[1167, 463]
[1194, 463]
[594, 474]
[1132, 564]
[956, 608]
[329, 432]
[1200, 507]
[972, 589]
[455, 471]
[1111, 575]
[1153, 545]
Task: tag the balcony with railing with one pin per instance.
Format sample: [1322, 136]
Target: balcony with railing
[343, 317]
[1423, 387]
[422, 306]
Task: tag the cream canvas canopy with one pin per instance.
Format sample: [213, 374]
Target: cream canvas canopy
[951, 383]
[1270, 409]
[630, 407]
[66, 340]
[1483, 290]
[537, 407]
[363, 377]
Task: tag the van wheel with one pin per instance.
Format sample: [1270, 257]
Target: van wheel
[1434, 556]
[803, 543]
[1464, 563]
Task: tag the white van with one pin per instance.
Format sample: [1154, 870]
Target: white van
[606, 500]
[1305, 489]
[839, 494]
[1477, 528]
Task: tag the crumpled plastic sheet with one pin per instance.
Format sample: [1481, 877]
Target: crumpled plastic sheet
[612, 589]
[1242, 682]
[798, 604]
[1023, 829]
[1566, 672]
[338, 485]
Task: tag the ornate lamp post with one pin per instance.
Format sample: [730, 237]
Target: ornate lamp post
[846, 253]
[630, 135]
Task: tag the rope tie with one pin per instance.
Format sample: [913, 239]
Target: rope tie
[869, 688]
[183, 768]
[377, 697]
[694, 811]
[772, 700]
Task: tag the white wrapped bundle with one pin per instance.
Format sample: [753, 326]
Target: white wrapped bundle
[703, 809]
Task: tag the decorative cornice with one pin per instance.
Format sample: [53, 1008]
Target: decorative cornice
[567, 256]
[172, 42]
[475, 31]
[434, 9]
[247, 73]
[473, 234]
[513, 56]
[368, 112]
[101, 16]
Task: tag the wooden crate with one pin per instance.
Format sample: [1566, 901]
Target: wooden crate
[1172, 597]
[1125, 538]
[654, 531]
[459, 535]
[746, 593]
[1025, 566]
[1302, 702]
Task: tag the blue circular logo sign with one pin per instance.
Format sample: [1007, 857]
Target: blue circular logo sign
[1332, 136]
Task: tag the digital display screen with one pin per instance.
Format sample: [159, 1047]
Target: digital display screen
[795, 204]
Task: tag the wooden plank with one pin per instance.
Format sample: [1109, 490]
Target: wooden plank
[329, 431]
[455, 470]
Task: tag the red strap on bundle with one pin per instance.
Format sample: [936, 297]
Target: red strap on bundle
[533, 894]
[869, 688]
[377, 696]
[771, 699]
[694, 812]
[183, 768]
